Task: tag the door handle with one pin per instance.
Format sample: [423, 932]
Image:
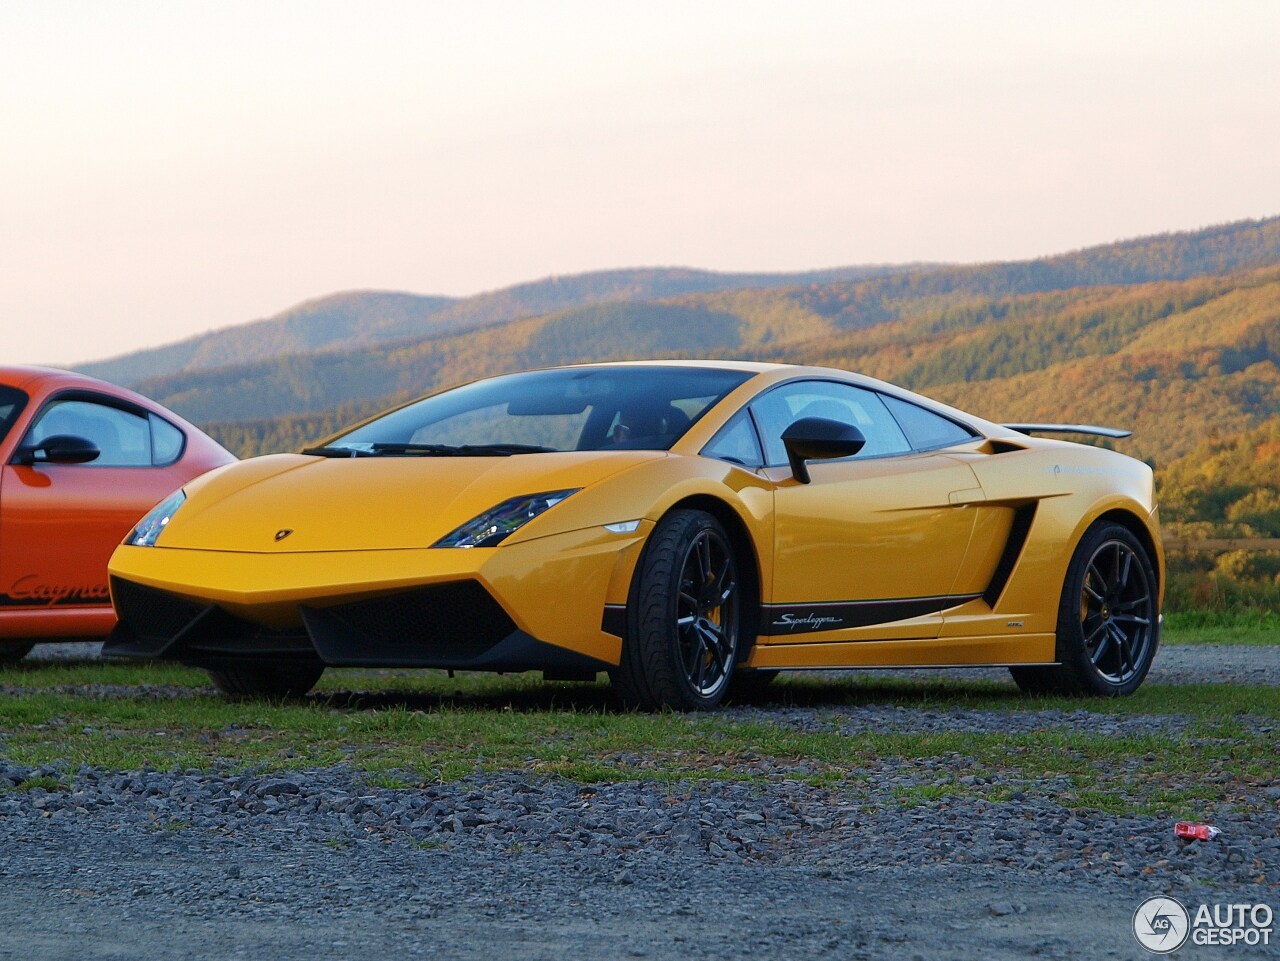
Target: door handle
[974, 495]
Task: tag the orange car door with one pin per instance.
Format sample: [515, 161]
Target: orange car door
[59, 523]
[871, 547]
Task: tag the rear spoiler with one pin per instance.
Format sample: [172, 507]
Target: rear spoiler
[1069, 429]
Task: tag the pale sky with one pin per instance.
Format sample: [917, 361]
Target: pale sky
[170, 167]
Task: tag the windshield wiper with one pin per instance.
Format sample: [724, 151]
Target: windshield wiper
[335, 452]
[461, 450]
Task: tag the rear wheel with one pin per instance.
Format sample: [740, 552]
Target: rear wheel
[685, 625]
[265, 679]
[13, 651]
[1108, 619]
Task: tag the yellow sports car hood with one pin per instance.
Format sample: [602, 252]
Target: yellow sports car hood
[368, 503]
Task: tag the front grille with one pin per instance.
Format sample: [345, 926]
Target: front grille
[151, 614]
[443, 623]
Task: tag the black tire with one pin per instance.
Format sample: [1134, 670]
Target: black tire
[684, 623]
[266, 679]
[11, 652]
[1108, 619]
[751, 684]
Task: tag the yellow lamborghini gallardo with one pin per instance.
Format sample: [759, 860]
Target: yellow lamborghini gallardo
[687, 527]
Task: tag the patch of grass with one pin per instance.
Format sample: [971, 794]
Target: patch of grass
[42, 782]
[387, 781]
[1250, 626]
[44, 675]
[1216, 702]
[914, 795]
[421, 727]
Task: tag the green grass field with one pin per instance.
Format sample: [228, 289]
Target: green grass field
[1253, 627]
[411, 727]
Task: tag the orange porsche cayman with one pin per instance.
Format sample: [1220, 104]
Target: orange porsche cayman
[82, 461]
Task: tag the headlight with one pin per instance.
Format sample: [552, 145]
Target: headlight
[498, 523]
[151, 526]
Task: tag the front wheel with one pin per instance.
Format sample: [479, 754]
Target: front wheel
[11, 652]
[266, 679]
[1108, 619]
[684, 623]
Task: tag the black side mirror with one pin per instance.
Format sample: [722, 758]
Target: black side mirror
[816, 438]
[59, 449]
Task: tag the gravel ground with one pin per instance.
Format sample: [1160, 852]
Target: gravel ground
[155, 865]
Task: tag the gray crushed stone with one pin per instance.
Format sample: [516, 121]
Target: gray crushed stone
[155, 865]
[324, 860]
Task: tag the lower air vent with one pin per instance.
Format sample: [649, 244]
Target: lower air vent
[452, 623]
[151, 614]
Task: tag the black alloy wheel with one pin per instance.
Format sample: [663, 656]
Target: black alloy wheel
[1117, 612]
[707, 614]
[684, 620]
[1108, 619]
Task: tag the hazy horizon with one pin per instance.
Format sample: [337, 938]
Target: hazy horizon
[184, 168]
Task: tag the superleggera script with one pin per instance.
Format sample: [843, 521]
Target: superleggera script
[814, 621]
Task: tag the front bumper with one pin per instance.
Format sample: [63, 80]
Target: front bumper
[418, 628]
[535, 605]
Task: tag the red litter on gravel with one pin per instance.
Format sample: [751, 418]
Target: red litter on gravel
[1195, 832]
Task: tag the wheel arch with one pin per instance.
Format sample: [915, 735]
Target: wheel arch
[1136, 526]
[744, 547]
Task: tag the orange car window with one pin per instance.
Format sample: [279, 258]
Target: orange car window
[123, 438]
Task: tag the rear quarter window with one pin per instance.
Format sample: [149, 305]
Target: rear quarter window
[924, 429]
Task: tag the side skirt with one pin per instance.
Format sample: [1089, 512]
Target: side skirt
[1017, 650]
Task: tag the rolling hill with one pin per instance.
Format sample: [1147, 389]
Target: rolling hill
[1177, 362]
[359, 319]
[903, 311]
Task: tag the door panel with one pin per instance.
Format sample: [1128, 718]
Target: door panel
[60, 523]
[868, 549]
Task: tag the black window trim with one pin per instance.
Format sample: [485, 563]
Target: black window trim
[764, 449]
[106, 400]
[973, 434]
[20, 404]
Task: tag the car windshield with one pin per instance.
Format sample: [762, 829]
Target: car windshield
[585, 408]
[12, 401]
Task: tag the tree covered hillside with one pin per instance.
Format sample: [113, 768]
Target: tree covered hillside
[1175, 362]
[357, 320]
[924, 314]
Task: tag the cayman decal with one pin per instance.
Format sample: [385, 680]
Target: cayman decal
[30, 591]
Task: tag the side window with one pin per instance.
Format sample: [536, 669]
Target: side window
[167, 441]
[925, 429]
[781, 407]
[123, 438]
[736, 442]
